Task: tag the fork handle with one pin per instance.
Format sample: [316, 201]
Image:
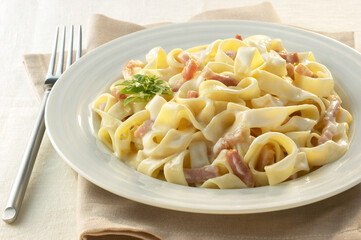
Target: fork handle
[22, 178]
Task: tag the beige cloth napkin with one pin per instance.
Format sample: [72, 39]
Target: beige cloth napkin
[105, 216]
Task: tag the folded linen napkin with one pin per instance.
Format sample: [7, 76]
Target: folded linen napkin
[102, 215]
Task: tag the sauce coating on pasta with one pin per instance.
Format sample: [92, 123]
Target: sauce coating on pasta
[235, 113]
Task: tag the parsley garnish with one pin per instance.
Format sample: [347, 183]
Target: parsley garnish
[144, 87]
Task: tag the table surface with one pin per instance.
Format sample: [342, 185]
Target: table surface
[49, 208]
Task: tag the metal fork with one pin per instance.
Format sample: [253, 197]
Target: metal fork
[22, 178]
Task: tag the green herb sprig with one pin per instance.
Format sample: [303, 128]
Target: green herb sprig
[144, 87]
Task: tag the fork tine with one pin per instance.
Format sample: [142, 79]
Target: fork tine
[78, 55]
[53, 54]
[59, 69]
[70, 48]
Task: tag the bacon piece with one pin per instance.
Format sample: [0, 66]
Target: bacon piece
[183, 58]
[200, 175]
[303, 70]
[290, 57]
[143, 129]
[117, 94]
[176, 88]
[290, 70]
[239, 167]
[190, 65]
[239, 37]
[128, 69]
[293, 176]
[230, 139]
[266, 157]
[226, 80]
[231, 54]
[332, 109]
[189, 70]
[330, 120]
[192, 94]
[327, 133]
[255, 132]
[125, 118]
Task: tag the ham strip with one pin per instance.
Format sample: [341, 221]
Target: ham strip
[183, 58]
[144, 128]
[190, 68]
[128, 69]
[330, 120]
[290, 57]
[226, 80]
[117, 94]
[290, 70]
[239, 168]
[230, 139]
[231, 54]
[303, 70]
[192, 94]
[333, 109]
[293, 176]
[200, 175]
[266, 157]
[239, 37]
[327, 133]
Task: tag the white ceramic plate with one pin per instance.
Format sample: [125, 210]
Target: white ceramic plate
[69, 121]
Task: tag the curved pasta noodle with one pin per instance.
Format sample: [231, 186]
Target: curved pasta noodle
[283, 168]
[274, 118]
[247, 60]
[275, 64]
[124, 134]
[243, 113]
[322, 85]
[331, 150]
[226, 46]
[285, 90]
[202, 109]
[246, 89]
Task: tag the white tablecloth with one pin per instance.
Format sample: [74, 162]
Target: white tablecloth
[49, 210]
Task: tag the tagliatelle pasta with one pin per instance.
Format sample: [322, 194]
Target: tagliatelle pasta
[231, 114]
